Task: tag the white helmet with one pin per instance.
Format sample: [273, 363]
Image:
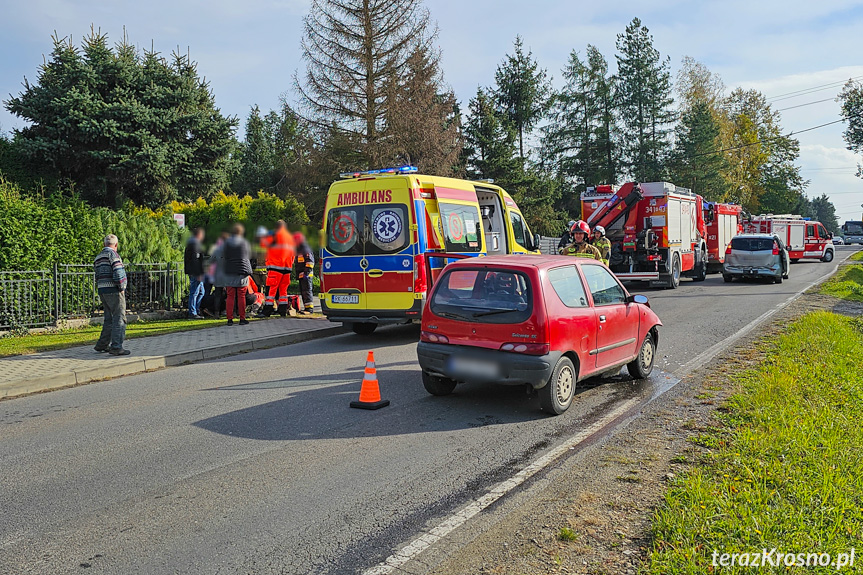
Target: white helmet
[599, 229]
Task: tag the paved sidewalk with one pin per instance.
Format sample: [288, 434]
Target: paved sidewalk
[43, 371]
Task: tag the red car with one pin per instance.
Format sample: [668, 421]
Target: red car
[545, 321]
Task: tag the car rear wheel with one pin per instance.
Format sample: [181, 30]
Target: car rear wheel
[727, 279]
[642, 365]
[778, 279]
[438, 385]
[556, 396]
[828, 256]
[364, 328]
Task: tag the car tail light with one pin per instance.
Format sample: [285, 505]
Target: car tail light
[526, 348]
[775, 250]
[420, 280]
[430, 337]
[728, 249]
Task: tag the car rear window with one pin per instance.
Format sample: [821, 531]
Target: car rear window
[483, 296]
[751, 244]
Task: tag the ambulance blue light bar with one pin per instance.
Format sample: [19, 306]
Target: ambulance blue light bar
[381, 172]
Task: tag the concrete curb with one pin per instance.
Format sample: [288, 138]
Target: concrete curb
[134, 365]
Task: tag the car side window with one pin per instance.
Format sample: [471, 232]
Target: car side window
[810, 230]
[568, 287]
[603, 287]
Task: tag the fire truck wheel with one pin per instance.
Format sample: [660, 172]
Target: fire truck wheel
[674, 276]
[437, 385]
[362, 328]
[556, 396]
[702, 269]
[641, 366]
[828, 256]
[795, 260]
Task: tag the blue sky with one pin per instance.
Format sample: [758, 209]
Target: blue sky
[249, 50]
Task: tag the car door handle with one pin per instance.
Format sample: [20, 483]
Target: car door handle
[602, 319]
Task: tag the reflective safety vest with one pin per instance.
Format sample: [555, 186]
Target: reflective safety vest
[604, 247]
[585, 250]
[280, 251]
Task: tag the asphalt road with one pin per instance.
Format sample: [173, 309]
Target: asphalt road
[256, 464]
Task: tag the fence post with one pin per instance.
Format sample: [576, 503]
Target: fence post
[169, 282]
[56, 290]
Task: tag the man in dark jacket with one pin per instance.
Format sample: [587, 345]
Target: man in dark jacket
[111, 284]
[193, 263]
[304, 265]
[566, 238]
[238, 268]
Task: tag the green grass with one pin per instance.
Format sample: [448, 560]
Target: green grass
[787, 469]
[567, 534]
[20, 344]
[846, 284]
[857, 257]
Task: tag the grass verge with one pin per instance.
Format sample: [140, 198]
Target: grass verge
[32, 343]
[857, 257]
[785, 469]
[846, 284]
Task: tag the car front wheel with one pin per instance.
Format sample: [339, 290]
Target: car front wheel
[438, 385]
[727, 278]
[556, 396]
[642, 365]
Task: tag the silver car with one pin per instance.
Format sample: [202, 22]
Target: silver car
[754, 256]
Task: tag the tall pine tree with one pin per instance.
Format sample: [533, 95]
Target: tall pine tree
[643, 97]
[523, 90]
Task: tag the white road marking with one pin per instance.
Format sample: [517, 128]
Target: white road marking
[714, 350]
[429, 537]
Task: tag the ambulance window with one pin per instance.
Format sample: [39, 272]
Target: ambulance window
[343, 235]
[568, 287]
[518, 229]
[387, 228]
[461, 227]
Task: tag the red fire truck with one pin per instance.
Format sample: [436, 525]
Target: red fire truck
[806, 239]
[723, 223]
[657, 230]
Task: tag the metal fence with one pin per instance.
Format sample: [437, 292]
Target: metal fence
[39, 298]
[548, 245]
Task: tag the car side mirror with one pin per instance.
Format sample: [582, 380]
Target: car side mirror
[637, 298]
[536, 241]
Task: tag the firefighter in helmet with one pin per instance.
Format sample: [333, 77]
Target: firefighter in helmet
[579, 246]
[304, 266]
[601, 243]
[280, 258]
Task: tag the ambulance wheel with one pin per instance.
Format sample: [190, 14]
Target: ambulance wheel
[438, 385]
[556, 396]
[674, 276]
[641, 366]
[828, 256]
[364, 328]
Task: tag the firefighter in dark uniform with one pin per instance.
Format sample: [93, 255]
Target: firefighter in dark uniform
[303, 267]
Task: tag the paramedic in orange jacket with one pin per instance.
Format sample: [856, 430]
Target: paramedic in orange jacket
[280, 259]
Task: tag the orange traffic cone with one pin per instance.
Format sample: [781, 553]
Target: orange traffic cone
[370, 394]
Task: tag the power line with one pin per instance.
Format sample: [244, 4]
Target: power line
[827, 169]
[806, 104]
[803, 91]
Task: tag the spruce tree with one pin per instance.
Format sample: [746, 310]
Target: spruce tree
[643, 97]
[489, 141]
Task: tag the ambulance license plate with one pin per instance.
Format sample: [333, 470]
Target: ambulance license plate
[354, 298]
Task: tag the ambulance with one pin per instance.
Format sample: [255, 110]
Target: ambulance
[387, 234]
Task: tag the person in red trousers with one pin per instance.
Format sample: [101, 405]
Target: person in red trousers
[238, 268]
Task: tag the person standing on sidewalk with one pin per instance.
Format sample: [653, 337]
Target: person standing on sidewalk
[193, 263]
[217, 267]
[304, 265]
[280, 259]
[238, 268]
[111, 284]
